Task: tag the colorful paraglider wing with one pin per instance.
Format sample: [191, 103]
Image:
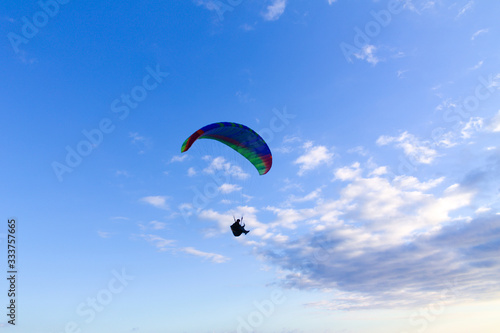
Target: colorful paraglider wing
[239, 137]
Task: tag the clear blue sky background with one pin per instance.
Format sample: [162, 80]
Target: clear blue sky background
[381, 210]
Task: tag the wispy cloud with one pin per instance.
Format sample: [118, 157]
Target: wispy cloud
[119, 218]
[367, 53]
[274, 10]
[400, 73]
[157, 201]
[178, 158]
[140, 141]
[479, 32]
[417, 150]
[465, 8]
[412, 183]
[477, 66]
[214, 257]
[136, 137]
[359, 150]
[160, 243]
[191, 172]
[474, 125]
[153, 225]
[314, 195]
[289, 144]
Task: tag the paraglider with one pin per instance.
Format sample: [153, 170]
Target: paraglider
[242, 139]
[237, 228]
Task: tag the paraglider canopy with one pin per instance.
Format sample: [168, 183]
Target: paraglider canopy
[239, 137]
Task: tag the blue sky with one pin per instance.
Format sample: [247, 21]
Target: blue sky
[381, 212]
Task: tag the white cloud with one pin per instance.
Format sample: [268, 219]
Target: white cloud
[474, 124]
[349, 172]
[313, 157]
[482, 210]
[493, 82]
[438, 211]
[157, 201]
[462, 134]
[493, 124]
[379, 171]
[287, 218]
[412, 183]
[219, 164]
[275, 10]
[186, 209]
[279, 238]
[160, 243]
[229, 188]
[368, 53]
[445, 139]
[385, 244]
[419, 151]
[446, 104]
